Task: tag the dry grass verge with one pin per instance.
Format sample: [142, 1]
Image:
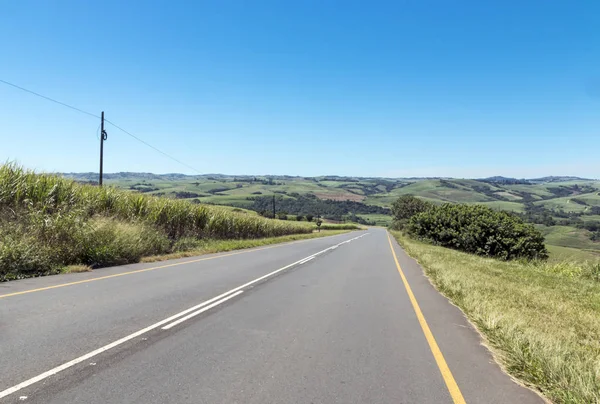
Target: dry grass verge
[542, 320]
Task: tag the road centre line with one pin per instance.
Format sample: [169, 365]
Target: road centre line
[451, 384]
[151, 269]
[194, 314]
[217, 300]
[306, 260]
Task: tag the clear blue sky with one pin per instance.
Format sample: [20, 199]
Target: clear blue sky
[398, 88]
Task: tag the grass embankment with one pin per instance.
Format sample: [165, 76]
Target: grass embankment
[340, 226]
[209, 246]
[49, 223]
[541, 319]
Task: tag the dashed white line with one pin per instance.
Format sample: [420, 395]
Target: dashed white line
[205, 305]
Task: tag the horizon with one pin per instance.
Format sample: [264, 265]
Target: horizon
[325, 175]
[382, 90]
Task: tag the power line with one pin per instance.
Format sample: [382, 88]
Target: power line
[50, 99]
[152, 147]
[96, 116]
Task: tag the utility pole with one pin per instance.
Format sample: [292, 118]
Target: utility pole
[103, 137]
[273, 206]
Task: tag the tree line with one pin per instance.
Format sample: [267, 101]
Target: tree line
[541, 215]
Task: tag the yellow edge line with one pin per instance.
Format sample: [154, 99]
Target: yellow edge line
[453, 389]
[62, 285]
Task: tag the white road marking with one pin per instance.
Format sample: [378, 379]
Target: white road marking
[136, 334]
[210, 306]
[306, 260]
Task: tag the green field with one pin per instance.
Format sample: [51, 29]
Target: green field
[559, 254]
[539, 191]
[434, 190]
[566, 204]
[380, 220]
[504, 205]
[590, 218]
[567, 236]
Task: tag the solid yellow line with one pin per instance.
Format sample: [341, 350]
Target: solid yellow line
[62, 285]
[453, 389]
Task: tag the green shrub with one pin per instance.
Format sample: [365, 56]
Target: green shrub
[479, 230]
[406, 207]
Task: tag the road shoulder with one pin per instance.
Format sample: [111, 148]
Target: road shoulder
[479, 376]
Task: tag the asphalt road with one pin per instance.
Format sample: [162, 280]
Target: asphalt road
[330, 320]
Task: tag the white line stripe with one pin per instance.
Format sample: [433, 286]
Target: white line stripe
[306, 260]
[105, 348]
[194, 314]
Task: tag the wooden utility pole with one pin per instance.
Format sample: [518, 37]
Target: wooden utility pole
[103, 137]
[273, 206]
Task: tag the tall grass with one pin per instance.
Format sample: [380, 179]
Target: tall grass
[47, 221]
[50, 194]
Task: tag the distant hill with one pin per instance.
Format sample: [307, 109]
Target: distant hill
[508, 180]
[504, 180]
[559, 179]
[124, 175]
[544, 199]
[89, 176]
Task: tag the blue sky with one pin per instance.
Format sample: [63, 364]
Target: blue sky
[399, 88]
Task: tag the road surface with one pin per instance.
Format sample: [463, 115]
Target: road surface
[330, 320]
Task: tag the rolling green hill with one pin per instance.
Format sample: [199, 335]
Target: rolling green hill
[224, 189]
[568, 203]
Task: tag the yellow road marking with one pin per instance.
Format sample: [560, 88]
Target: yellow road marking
[62, 285]
[453, 389]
